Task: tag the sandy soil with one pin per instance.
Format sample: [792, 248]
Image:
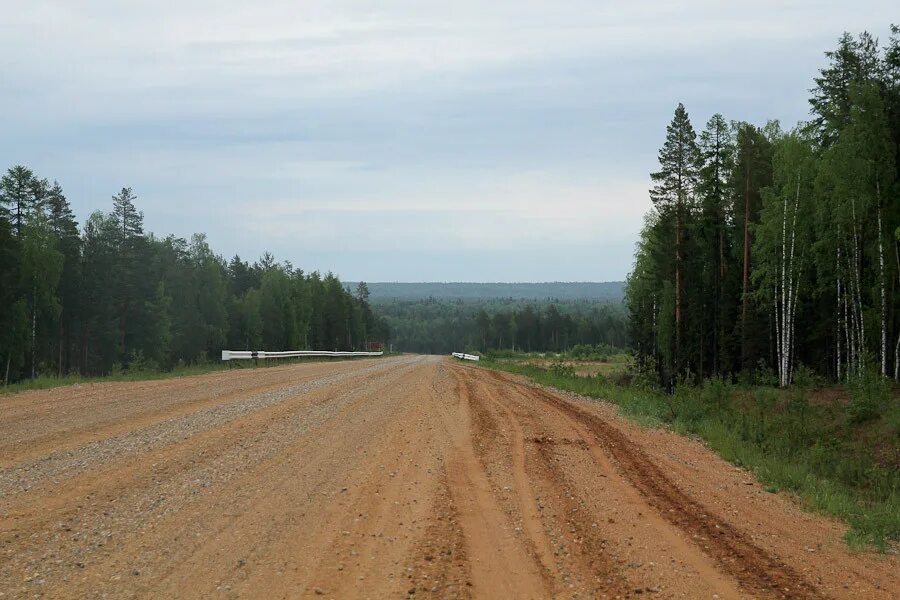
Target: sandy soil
[406, 477]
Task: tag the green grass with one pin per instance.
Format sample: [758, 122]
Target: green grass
[811, 445]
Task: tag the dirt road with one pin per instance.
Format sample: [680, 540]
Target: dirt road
[394, 478]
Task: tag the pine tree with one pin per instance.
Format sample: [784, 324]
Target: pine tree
[673, 196]
[752, 171]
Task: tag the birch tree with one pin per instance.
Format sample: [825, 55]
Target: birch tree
[868, 138]
[782, 243]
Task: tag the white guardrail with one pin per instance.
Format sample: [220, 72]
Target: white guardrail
[246, 354]
[465, 356]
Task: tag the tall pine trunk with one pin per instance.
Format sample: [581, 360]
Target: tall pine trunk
[33, 328]
[883, 291]
[746, 277]
[59, 363]
[839, 320]
[678, 288]
[857, 275]
[718, 337]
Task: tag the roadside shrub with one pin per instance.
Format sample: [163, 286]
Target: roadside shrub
[687, 406]
[560, 368]
[581, 351]
[806, 378]
[763, 374]
[139, 363]
[641, 375]
[716, 392]
[870, 395]
[765, 399]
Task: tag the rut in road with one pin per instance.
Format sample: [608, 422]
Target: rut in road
[392, 478]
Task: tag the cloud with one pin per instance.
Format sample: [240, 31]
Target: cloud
[360, 135]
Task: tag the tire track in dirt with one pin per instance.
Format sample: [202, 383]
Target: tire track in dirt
[528, 507]
[600, 538]
[445, 570]
[588, 567]
[500, 567]
[750, 565]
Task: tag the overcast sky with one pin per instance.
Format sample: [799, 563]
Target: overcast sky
[396, 141]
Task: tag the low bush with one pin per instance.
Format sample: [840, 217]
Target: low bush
[870, 396]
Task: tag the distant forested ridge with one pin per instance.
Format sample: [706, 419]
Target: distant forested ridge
[441, 325]
[109, 296]
[441, 318]
[768, 249]
[611, 291]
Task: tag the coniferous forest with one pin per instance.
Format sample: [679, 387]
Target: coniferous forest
[771, 249]
[108, 296]
[442, 326]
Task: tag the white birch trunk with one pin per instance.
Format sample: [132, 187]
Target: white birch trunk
[779, 338]
[781, 306]
[792, 291]
[793, 312]
[897, 360]
[850, 312]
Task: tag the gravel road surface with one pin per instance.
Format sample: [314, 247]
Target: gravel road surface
[403, 477]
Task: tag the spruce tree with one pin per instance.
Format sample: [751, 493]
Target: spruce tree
[65, 228]
[717, 155]
[130, 225]
[855, 61]
[17, 196]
